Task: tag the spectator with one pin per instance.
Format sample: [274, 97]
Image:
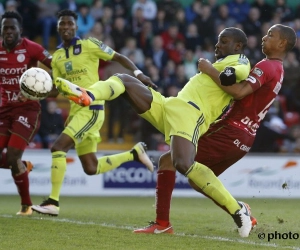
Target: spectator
[192, 37]
[136, 54]
[96, 31]
[85, 21]
[193, 10]
[97, 9]
[145, 36]
[238, 9]
[120, 8]
[224, 18]
[69, 5]
[119, 33]
[28, 10]
[158, 54]
[47, 20]
[181, 22]
[214, 6]
[11, 5]
[285, 11]
[107, 19]
[136, 21]
[206, 24]
[265, 10]
[251, 25]
[160, 24]
[170, 37]
[170, 7]
[253, 50]
[52, 123]
[291, 78]
[148, 7]
[190, 64]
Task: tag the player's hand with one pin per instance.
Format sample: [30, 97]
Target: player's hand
[146, 80]
[21, 98]
[228, 76]
[204, 65]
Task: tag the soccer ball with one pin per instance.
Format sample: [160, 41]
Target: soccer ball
[35, 84]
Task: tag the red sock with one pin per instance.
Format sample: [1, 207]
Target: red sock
[22, 183]
[164, 188]
[3, 161]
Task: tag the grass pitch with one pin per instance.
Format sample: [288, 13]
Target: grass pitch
[89, 223]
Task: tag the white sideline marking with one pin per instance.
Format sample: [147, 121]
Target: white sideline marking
[215, 238]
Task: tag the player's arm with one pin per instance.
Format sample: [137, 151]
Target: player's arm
[128, 64]
[237, 91]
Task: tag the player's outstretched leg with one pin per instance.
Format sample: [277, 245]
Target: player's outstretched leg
[140, 155]
[73, 92]
[48, 207]
[243, 220]
[154, 228]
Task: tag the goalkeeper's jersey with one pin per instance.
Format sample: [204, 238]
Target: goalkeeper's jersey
[79, 63]
[202, 90]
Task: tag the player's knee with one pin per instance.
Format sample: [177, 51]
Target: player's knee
[182, 165]
[89, 170]
[165, 162]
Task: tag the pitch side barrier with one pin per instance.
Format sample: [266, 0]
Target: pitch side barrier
[256, 175]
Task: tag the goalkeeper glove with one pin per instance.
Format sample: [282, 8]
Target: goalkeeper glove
[227, 76]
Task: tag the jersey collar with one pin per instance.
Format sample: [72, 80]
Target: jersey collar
[73, 42]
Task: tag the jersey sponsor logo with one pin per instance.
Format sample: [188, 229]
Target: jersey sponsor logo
[20, 51]
[3, 59]
[13, 71]
[77, 49]
[24, 121]
[257, 72]
[2, 52]
[21, 58]
[68, 66]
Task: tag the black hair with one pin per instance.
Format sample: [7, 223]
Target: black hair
[288, 34]
[13, 14]
[67, 13]
[239, 36]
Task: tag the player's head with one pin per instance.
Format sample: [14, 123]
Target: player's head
[278, 41]
[11, 28]
[67, 24]
[230, 41]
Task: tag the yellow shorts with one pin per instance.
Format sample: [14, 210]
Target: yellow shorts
[174, 116]
[84, 126]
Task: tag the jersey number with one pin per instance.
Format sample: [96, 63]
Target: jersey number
[261, 115]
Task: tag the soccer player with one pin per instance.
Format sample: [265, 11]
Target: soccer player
[19, 119]
[185, 118]
[78, 61]
[229, 139]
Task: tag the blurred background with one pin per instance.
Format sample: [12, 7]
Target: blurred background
[165, 38]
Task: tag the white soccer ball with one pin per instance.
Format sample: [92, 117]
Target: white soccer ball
[35, 84]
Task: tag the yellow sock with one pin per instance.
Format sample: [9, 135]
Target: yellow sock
[58, 169]
[205, 179]
[110, 162]
[107, 90]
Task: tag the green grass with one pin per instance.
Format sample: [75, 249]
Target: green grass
[88, 223]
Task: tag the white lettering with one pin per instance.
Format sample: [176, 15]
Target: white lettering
[13, 71]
